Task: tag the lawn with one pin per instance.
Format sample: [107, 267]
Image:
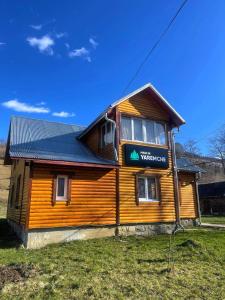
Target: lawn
[213, 219]
[113, 268]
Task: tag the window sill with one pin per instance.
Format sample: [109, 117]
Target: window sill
[147, 201]
[61, 200]
[145, 143]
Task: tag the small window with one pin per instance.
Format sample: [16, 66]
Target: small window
[62, 187]
[148, 188]
[106, 134]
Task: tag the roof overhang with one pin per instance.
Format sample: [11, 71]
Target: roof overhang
[175, 116]
[68, 163]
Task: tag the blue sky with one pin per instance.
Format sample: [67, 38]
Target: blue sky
[67, 60]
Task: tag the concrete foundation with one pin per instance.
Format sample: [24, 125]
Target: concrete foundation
[146, 229]
[37, 238]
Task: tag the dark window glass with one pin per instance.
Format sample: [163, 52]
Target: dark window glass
[61, 187]
[141, 187]
[152, 188]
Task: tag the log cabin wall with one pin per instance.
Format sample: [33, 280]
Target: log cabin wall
[143, 105]
[17, 208]
[93, 140]
[188, 201]
[93, 198]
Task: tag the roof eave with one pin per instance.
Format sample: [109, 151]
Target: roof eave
[177, 119]
[69, 163]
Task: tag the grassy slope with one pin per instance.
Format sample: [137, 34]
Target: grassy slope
[133, 268]
[213, 219]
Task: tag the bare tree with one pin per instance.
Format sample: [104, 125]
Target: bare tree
[191, 147]
[217, 146]
[2, 147]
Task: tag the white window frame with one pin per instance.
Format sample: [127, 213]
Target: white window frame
[103, 141]
[145, 132]
[65, 196]
[146, 199]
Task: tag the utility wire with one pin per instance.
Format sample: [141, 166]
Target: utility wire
[154, 46]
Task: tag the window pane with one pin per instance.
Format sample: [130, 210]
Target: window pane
[108, 135]
[126, 128]
[138, 131]
[150, 135]
[160, 133]
[141, 188]
[151, 188]
[61, 186]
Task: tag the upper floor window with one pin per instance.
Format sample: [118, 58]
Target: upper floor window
[142, 130]
[106, 134]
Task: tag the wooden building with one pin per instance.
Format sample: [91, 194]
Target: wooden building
[212, 198]
[119, 175]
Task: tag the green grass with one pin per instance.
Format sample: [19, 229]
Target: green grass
[213, 219]
[127, 268]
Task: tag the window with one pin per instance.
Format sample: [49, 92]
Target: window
[62, 187]
[148, 188]
[106, 134]
[17, 191]
[142, 130]
[126, 128]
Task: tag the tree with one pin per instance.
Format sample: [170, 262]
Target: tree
[217, 146]
[191, 148]
[2, 147]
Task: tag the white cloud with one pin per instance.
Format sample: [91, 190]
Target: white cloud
[93, 43]
[25, 107]
[81, 52]
[37, 27]
[2, 44]
[41, 103]
[67, 45]
[63, 114]
[44, 44]
[60, 35]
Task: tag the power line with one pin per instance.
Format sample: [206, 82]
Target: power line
[154, 46]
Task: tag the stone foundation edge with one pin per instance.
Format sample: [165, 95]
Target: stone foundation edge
[38, 238]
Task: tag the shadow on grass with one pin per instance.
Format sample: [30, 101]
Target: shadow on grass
[8, 239]
[149, 261]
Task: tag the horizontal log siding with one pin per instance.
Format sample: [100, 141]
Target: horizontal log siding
[93, 199]
[19, 215]
[130, 212]
[24, 204]
[188, 201]
[143, 106]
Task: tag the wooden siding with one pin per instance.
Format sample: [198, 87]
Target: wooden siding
[188, 201]
[93, 140]
[143, 106]
[18, 215]
[93, 198]
[146, 212]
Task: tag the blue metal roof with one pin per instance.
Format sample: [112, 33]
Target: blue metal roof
[184, 164]
[40, 139]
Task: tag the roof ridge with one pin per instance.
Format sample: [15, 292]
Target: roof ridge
[37, 119]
